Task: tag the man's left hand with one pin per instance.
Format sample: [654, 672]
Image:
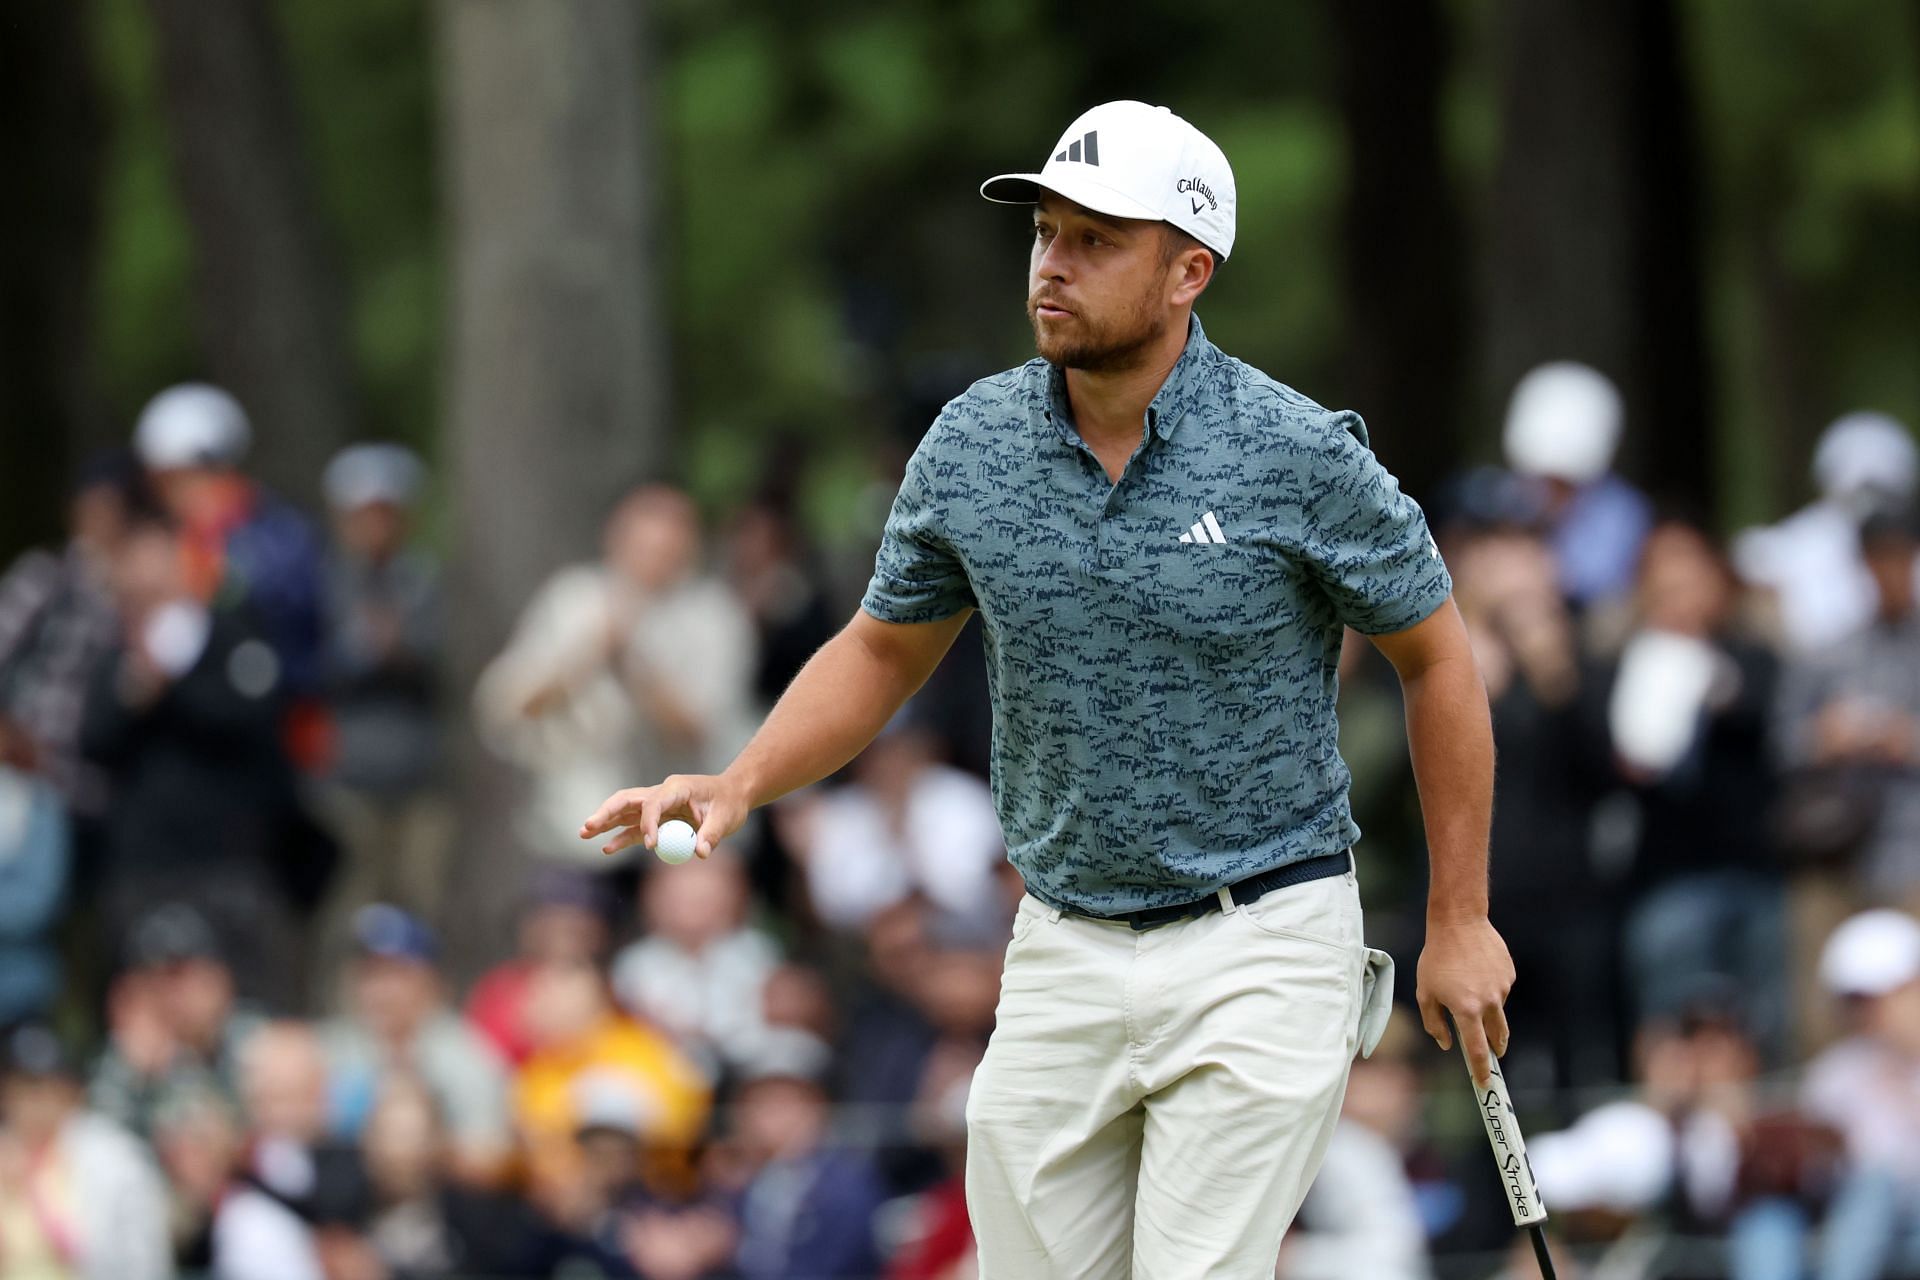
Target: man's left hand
[1465, 970]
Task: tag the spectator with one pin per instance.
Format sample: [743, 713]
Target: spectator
[79, 1198]
[609, 1134]
[883, 1054]
[183, 715]
[1811, 560]
[196, 1138]
[1563, 428]
[56, 624]
[399, 1021]
[1688, 711]
[581, 1037]
[937, 1240]
[227, 1225]
[771, 571]
[636, 667]
[1852, 715]
[1616, 1164]
[1867, 1087]
[564, 923]
[424, 1225]
[906, 823]
[248, 551]
[1553, 903]
[174, 1031]
[806, 1208]
[290, 1153]
[36, 853]
[382, 666]
[698, 969]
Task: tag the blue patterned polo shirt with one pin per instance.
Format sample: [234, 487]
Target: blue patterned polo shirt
[1161, 652]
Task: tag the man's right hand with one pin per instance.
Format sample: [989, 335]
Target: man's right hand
[715, 806]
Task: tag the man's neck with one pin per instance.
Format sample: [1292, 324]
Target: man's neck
[1110, 406]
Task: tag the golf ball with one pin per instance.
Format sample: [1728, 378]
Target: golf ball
[675, 842]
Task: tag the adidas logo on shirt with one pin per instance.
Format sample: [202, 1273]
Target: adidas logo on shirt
[1207, 529]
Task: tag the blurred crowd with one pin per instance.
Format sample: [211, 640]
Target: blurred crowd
[235, 1045]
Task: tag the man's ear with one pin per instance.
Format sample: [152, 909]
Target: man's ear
[1193, 273]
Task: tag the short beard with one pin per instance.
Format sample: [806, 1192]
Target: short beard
[1102, 348]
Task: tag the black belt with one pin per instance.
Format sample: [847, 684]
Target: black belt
[1249, 890]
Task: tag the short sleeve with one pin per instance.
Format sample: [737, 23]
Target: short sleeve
[1366, 542]
[916, 575]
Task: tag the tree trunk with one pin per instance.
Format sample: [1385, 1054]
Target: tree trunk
[1405, 251]
[1594, 225]
[47, 223]
[555, 397]
[271, 304]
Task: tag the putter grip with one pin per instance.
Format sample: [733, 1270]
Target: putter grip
[1509, 1148]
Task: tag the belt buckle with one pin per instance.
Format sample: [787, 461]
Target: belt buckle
[1155, 917]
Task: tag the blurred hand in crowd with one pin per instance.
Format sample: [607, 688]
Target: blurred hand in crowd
[1856, 731]
[679, 1244]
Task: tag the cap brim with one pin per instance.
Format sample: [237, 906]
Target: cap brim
[1025, 188]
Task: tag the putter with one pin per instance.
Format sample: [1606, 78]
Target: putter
[1510, 1155]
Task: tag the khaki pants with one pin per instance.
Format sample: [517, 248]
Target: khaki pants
[1155, 1104]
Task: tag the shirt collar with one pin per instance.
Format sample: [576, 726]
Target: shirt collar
[1183, 385]
[1169, 406]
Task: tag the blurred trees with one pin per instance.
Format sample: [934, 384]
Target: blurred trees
[1593, 232]
[270, 308]
[1717, 200]
[47, 239]
[1408, 262]
[555, 398]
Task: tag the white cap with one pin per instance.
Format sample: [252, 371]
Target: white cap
[1865, 450]
[362, 474]
[1564, 423]
[1871, 954]
[604, 1098]
[1619, 1158]
[194, 424]
[1131, 160]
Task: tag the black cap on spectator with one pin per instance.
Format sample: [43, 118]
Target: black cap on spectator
[169, 935]
[384, 930]
[32, 1049]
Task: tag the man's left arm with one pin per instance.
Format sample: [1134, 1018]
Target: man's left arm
[1464, 967]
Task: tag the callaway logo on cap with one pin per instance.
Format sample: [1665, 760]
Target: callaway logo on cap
[1131, 160]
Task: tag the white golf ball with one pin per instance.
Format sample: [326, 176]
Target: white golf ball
[675, 842]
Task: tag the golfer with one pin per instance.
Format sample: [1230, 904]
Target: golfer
[1165, 547]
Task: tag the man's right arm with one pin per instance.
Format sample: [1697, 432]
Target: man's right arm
[834, 707]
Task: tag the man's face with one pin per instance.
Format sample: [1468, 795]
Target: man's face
[196, 997]
[372, 530]
[147, 570]
[1100, 290]
[34, 1107]
[395, 994]
[1890, 561]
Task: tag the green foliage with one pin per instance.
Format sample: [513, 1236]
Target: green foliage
[1810, 121]
[143, 308]
[363, 79]
[821, 245]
